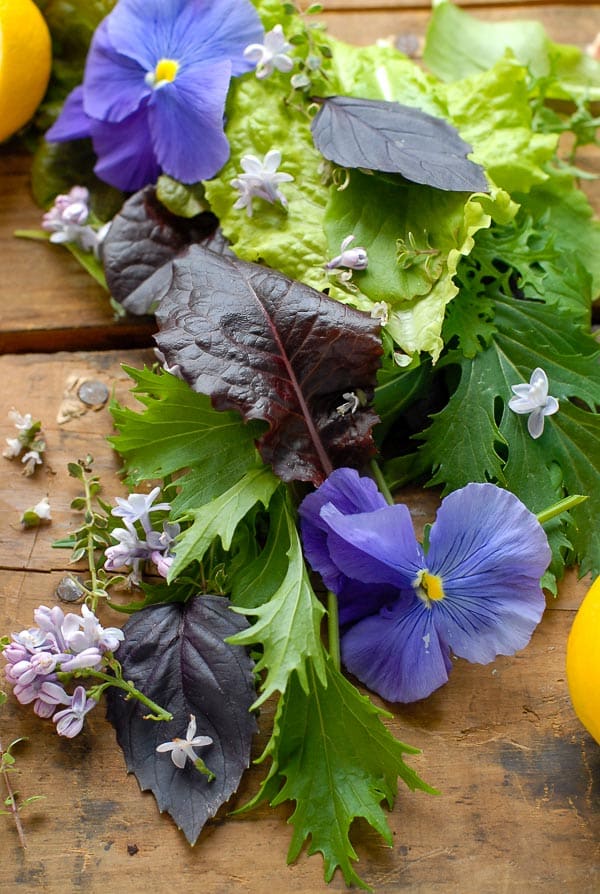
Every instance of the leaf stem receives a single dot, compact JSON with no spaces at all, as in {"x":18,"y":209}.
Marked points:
{"x":381,"y":482}
{"x":333,"y":629}
{"x":158,"y":713}
{"x":562,"y":506}
{"x":11,"y":802}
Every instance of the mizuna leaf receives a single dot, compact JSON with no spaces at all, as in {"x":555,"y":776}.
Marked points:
{"x":395,"y":139}
{"x":273,"y":349}
{"x":333,"y":756}
{"x":177,"y":655}
{"x":142,"y":237}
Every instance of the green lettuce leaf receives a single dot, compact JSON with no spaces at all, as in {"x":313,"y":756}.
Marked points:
{"x":458,"y":45}
{"x":332,"y":756}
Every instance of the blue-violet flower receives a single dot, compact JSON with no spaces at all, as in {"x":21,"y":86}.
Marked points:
{"x":154,"y":88}
{"x":475,"y":593}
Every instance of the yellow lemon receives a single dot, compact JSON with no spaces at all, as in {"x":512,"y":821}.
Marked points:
{"x":25,"y":58}
{"x":583,"y":661}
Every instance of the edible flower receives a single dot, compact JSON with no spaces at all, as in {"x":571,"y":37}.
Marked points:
{"x":260,"y":180}
{"x":154,"y":90}
{"x":403,"y":610}
{"x":183,"y":749}
{"x":533,"y":398}
{"x":355,"y":258}
{"x":270,"y":55}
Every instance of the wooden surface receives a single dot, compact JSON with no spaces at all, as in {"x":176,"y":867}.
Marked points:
{"x":520,"y":778}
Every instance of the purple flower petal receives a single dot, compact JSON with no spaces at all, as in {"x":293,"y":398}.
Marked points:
{"x":186,"y":123}
{"x":124,"y":150}
{"x":351,"y":494}
{"x":490,"y":552}
{"x":114,"y":84}
{"x":398,"y":653}
{"x":72,"y":123}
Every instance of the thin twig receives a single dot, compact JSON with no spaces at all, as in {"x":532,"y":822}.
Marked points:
{"x":12,"y":805}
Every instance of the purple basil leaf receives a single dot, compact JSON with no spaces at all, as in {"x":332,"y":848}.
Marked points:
{"x":176,"y":655}
{"x":395,"y":139}
{"x":274,"y":349}
{"x":143,"y":236}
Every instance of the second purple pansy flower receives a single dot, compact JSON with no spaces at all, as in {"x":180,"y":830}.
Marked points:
{"x":154,"y":89}
{"x":475,"y":593}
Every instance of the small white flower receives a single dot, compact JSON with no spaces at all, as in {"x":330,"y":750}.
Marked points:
{"x":22,"y":423}
{"x":182,"y":749}
{"x":42,"y":510}
{"x":380,"y":311}
{"x":260,"y":180}
{"x":137,"y":507}
{"x":354,"y":258}
{"x":271,"y":54}
{"x":350,"y":405}
{"x":13,"y":449}
{"x":533,"y":399}
{"x":30,"y":460}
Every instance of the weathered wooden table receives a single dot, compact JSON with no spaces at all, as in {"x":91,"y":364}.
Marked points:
{"x":520,"y":778}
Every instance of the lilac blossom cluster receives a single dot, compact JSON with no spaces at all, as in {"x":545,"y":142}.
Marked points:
{"x":59,"y":643}
{"x":67,"y":221}
{"x":131,"y":549}
{"x":29,"y":443}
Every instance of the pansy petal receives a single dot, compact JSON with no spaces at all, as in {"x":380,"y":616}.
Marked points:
{"x":146,"y":30}
{"x":72,"y":123}
{"x":186,"y":123}
{"x":398,"y":653}
{"x":375,"y":547}
{"x":124,"y":150}
{"x":350,"y":493}
{"x":357,"y":600}
{"x":114,"y":84}
{"x":490,"y":553}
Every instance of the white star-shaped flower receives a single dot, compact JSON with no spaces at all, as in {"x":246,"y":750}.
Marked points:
{"x":354,"y":258}
{"x":533,"y":398}
{"x":260,"y":180}
{"x":271,"y":54}
{"x":182,"y":749}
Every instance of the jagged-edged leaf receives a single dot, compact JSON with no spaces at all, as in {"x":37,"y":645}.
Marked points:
{"x":333,"y":756}
{"x":288,"y":624}
{"x":274,"y":349}
{"x":177,"y":655}
{"x":142,"y":237}
{"x":395,"y":139}
{"x":178,"y":429}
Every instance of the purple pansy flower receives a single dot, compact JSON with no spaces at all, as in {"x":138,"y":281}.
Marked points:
{"x":154,"y":88}
{"x":475,"y":593}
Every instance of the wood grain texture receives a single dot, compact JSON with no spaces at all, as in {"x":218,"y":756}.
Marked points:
{"x":520,"y":778}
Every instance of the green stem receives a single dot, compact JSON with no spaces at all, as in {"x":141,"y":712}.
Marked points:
{"x":90,"y":549}
{"x":381,"y":482}
{"x":561,"y":506}
{"x":333,"y":629}
{"x":158,"y":713}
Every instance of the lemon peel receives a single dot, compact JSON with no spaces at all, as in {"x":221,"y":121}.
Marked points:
{"x":583,"y":661}
{"x":25,"y":61}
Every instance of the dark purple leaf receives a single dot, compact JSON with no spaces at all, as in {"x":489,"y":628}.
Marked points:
{"x":395,"y":139}
{"x":144,"y":235}
{"x":273,"y":349}
{"x":176,"y":655}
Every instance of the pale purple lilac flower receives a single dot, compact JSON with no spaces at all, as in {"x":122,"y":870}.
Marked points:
{"x":260,"y":180}
{"x":154,"y":89}
{"x":533,"y":399}
{"x":69,"y":721}
{"x":84,"y":632}
{"x":66,"y":220}
{"x":271,"y":54}
{"x":137,"y":508}
{"x":353,"y":258}
{"x":476,"y":592}
{"x":182,"y":750}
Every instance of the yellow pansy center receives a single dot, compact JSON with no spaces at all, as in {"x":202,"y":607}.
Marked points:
{"x":429,"y":587}
{"x":164,"y":73}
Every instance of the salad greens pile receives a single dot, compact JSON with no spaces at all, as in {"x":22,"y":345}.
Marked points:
{"x":465,"y":294}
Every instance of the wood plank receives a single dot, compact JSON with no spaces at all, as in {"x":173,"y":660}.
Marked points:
{"x":520,"y":778}
{"x":505,"y":7}
{"x":61,"y":297}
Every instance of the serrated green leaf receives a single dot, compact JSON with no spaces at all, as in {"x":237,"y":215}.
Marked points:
{"x":288,"y":625}
{"x":478,"y":438}
{"x":333,"y":756}
{"x":179,"y":428}
{"x":221,"y":516}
